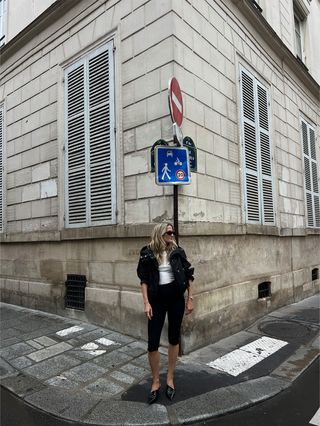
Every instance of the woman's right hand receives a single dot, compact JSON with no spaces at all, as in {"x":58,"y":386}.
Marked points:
{"x":148,"y":310}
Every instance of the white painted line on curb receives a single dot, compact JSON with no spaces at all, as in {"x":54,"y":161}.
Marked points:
{"x":69,"y":330}
{"x":316,"y":419}
{"x":240,"y":360}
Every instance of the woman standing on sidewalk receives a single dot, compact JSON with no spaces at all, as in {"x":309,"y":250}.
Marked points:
{"x":165,"y":274}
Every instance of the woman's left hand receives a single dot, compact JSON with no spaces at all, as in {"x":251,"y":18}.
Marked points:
{"x":189,"y":306}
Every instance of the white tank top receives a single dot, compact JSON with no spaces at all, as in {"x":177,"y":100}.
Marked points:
{"x":165,"y":270}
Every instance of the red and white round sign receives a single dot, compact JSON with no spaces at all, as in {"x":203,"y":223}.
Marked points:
{"x":175,"y":101}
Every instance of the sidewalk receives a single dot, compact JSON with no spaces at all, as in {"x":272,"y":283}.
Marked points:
{"x":92,"y":375}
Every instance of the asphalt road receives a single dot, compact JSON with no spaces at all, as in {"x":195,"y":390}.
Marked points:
{"x":294,"y":406}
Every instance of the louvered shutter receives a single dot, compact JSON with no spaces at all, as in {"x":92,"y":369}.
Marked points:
{"x":100,"y":138}
{"x":250,"y":148}
{"x":259,"y":204}
{"x":90,"y":193}
{"x":265,"y":155}
{"x":76,"y":194}
{"x":311,"y":175}
{"x":1,"y":167}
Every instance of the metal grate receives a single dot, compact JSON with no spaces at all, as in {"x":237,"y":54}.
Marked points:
{"x":75,"y":291}
{"x":264,"y":289}
{"x":315,"y":274}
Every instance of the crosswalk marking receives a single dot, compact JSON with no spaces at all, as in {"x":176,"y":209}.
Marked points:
{"x":240,"y":360}
{"x":69,"y":330}
{"x":316,"y":419}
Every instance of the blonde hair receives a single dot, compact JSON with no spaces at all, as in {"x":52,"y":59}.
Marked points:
{"x":158,"y":244}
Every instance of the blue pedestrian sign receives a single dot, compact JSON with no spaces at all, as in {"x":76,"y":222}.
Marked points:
{"x":172,"y":166}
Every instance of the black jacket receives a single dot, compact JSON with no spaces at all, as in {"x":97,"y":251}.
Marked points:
{"x":148,"y":270}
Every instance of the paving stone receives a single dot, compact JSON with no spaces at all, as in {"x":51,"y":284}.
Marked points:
{"x":37,"y":333}
{"x":85,"y":372}
{"x":134,"y":351}
{"x":16,"y":350}
{"x":62,"y":382}
{"x":45,"y":341}
{"x":84,"y":355}
{"x":120,"y":338}
{"x":112,"y":359}
{"x":22,"y":384}
{"x":122,"y":377}
{"x":104,"y":386}
{"x":135,"y":370}
{"x":10,"y":332}
{"x":141,"y":360}
{"x":6,"y":369}
{"x":199,"y":408}
{"x":34,"y":344}
{"x":21,"y":362}
{"x":259,"y":389}
{"x":51,"y":367}
{"x":92,"y":335}
{"x":118,"y":413}
{"x":55,"y":400}
{"x":49,"y":352}
{"x":9,"y":342}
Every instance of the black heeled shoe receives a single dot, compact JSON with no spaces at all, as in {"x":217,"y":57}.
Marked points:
{"x":153,"y":396}
{"x":170,"y":392}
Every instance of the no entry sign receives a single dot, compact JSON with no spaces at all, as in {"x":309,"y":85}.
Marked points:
{"x":175,"y":101}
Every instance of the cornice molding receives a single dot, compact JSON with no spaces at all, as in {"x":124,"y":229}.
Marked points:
{"x":51,"y":14}
{"x":249,"y":11}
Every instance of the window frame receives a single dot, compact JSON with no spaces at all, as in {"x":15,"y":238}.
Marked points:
{"x":84,"y":59}
{"x":259,"y":174}
{"x":311,"y":160}
{"x":3,"y":22}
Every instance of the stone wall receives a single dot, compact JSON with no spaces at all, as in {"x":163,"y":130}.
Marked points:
{"x":228,"y":271}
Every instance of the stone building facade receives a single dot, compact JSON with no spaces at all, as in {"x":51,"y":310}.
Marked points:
{"x":83,"y":98}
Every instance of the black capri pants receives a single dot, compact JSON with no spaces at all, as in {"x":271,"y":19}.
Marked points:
{"x":170,"y":300}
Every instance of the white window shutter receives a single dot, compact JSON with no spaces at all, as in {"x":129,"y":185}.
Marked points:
{"x":310,"y":175}
{"x":314,"y":174}
{"x":265,"y":155}
{"x":90,"y":192}
{"x":1,"y":167}
{"x":76,"y":193}
{"x":255,"y":123}
{"x":249,"y":137}
{"x":100,"y":137}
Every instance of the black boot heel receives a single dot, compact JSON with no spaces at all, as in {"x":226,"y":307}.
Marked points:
{"x":170,"y":392}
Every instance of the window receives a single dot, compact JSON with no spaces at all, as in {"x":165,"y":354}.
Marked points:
{"x":1,"y":168}
{"x":89,"y":134}
{"x":310,"y":175}
{"x":2,"y":21}
{"x":298,"y":37}
{"x":256,"y":148}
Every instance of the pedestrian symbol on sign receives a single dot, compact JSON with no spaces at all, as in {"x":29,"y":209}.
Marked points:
{"x":165,"y":171}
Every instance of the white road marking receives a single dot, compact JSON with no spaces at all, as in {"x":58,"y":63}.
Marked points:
{"x":177,"y":102}
{"x":316,"y":419}
{"x":90,"y":346}
{"x":240,"y":360}
{"x":106,"y":342}
{"x":69,"y":330}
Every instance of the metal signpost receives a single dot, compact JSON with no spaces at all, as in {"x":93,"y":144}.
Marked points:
{"x":172,"y":163}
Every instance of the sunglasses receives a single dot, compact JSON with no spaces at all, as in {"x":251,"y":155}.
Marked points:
{"x":170,"y":233}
